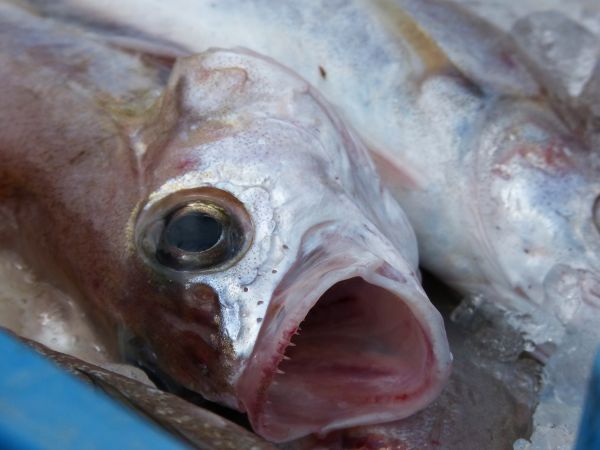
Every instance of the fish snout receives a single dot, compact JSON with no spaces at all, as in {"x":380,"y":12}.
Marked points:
{"x":349,"y":338}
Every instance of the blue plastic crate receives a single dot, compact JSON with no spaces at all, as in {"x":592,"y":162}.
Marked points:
{"x":43,"y":407}
{"x":589,"y":431}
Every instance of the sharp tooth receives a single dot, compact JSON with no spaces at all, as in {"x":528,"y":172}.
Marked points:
{"x":279,"y":371}
{"x":291,"y":344}
{"x":287,"y":358}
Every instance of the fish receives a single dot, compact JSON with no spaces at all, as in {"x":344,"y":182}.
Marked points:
{"x":503,"y":191}
{"x":220,"y":222}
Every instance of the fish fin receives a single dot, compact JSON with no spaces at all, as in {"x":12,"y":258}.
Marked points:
{"x":564,"y":55}
{"x":125,"y":38}
{"x":479,"y":50}
{"x":403,"y":26}
{"x":570,"y":43}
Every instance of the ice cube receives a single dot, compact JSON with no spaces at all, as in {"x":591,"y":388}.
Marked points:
{"x":565,"y":53}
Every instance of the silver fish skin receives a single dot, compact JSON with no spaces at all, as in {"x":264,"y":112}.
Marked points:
{"x":222,"y":215}
{"x":502,"y":193}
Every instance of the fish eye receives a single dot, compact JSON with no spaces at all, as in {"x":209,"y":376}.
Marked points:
{"x":195,"y":232}
{"x":190,"y":230}
{"x":197,"y":236}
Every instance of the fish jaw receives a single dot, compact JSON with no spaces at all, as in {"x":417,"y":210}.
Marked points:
{"x":349,"y":338}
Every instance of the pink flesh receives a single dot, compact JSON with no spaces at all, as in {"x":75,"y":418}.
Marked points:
{"x":360,"y":348}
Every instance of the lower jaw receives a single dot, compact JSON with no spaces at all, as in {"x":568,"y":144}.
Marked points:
{"x":360,"y":356}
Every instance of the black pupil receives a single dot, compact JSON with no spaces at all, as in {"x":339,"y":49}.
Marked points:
{"x":193,"y":232}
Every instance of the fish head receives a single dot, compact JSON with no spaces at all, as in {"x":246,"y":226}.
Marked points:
{"x":542,"y":213}
{"x":279,"y":277}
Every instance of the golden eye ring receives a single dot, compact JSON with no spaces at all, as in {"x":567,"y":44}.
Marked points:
{"x":197,"y":230}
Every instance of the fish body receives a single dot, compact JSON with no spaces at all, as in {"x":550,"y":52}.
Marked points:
{"x":219,"y":214}
{"x":502,"y":191}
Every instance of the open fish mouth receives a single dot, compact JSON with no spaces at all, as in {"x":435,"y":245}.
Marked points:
{"x":352,"y":347}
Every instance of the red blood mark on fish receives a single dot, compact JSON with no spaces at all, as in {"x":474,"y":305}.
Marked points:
{"x":372,"y":441}
{"x":553,"y":155}
{"x":185,"y":165}
{"x":356,"y":439}
{"x":548,"y":157}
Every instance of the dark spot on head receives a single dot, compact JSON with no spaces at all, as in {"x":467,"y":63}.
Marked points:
{"x":260,"y":302}
{"x":274,"y":271}
{"x":507,"y":59}
{"x":520,"y":292}
{"x":184,"y":165}
{"x":245,"y":289}
{"x":285,"y":247}
{"x":259,"y":320}
{"x":77,"y":157}
{"x":323,"y":72}
{"x":389,"y":272}
{"x":526,"y":250}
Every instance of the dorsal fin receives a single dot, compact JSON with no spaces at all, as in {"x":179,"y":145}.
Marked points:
{"x":479,"y":50}
{"x":402,"y":25}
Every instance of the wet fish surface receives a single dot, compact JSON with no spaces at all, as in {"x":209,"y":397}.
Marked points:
{"x":217,"y":214}
{"x":500,"y":185}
